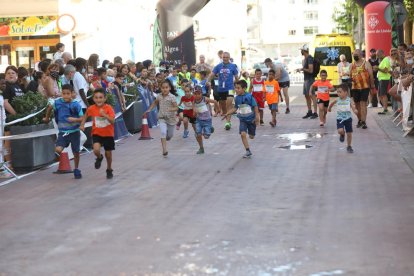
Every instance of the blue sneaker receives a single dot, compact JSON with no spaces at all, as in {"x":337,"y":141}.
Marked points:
{"x":186,"y":132}
{"x":77,"y":173}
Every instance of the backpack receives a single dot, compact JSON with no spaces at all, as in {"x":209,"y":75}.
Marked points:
{"x":316,"y":67}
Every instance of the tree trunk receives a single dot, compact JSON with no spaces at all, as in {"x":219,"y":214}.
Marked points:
{"x":408,"y":31}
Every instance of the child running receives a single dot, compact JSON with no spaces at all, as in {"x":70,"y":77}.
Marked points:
{"x":187,"y":103}
{"x":322,"y":87}
{"x":248,"y":114}
{"x":68,"y":116}
{"x":272,"y":95}
{"x":202,"y":111}
{"x":103,"y":119}
{"x":344,"y":115}
{"x":166,"y":113}
{"x":178,"y":95}
{"x":257,"y":90}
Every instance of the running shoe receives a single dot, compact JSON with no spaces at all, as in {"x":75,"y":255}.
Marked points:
{"x":287,"y":111}
{"x":309,"y":114}
{"x":341,"y":138}
{"x":77,"y":173}
{"x":364,"y":125}
{"x":109,"y":174}
{"x":383,"y":112}
{"x":359,"y":124}
{"x":314,"y":115}
{"x":227,"y":126}
{"x":200,"y":151}
{"x":98,"y":162}
{"x":186,"y":132}
{"x":370,"y":105}
{"x":248,"y":154}
{"x":261,"y":123}
{"x":165,"y":154}
{"x":349,"y":149}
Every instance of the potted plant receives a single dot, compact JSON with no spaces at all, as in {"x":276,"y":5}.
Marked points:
{"x":133,"y":116}
{"x":30,"y":153}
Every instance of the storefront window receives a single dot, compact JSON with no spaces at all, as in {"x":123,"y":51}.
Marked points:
{"x":5,"y":58}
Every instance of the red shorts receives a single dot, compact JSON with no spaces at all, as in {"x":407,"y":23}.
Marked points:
{"x":259,"y":99}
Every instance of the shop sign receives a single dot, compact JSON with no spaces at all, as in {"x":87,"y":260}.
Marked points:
{"x":28,"y":26}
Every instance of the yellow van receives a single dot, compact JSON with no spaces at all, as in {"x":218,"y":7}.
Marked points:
{"x":327,"y":48}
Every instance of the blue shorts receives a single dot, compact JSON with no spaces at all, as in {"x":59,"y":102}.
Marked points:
{"x":273,"y":106}
{"x":248,"y":127}
{"x":73,"y":139}
{"x":203,"y":127}
{"x":347,"y":124}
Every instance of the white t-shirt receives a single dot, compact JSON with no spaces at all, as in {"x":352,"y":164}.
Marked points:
{"x":79,"y":83}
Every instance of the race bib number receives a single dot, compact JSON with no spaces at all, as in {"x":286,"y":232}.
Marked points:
{"x":257,"y":88}
{"x":216,"y":82}
{"x":101,"y":122}
{"x":323,"y":89}
{"x":270,"y":89}
{"x":344,"y":108}
{"x":202,"y":108}
{"x":245,"y":109}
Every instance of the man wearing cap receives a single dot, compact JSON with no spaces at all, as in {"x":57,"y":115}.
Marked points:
{"x":282,"y":77}
{"x":308,"y":80}
{"x":373,"y":60}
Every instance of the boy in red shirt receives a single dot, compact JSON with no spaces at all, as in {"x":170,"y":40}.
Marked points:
{"x":187,"y":102}
{"x":322,"y":87}
{"x":103,"y":118}
{"x":257,"y":90}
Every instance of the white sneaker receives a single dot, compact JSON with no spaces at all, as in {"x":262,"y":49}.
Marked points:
{"x":370,"y":105}
{"x":379,"y":105}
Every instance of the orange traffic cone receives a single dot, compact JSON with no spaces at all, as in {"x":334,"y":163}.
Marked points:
{"x":145,"y":134}
{"x":64,"y":164}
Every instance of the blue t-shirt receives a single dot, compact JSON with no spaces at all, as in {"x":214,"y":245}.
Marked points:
{"x":226,"y":73}
{"x":174,"y":81}
{"x":245,"y":107}
{"x":63,"y":110}
{"x":203,"y":85}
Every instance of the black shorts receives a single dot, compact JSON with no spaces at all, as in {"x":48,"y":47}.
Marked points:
{"x":284,"y":84}
{"x":192,"y":120}
{"x":325,"y":103}
{"x":347,"y":125}
{"x":222,"y":96}
{"x":107,"y":142}
{"x":360,"y":95}
{"x":383,"y":87}
{"x":180,"y":110}
{"x":73,"y":139}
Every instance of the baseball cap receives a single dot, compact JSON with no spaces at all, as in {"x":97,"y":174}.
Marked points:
{"x":305,"y":47}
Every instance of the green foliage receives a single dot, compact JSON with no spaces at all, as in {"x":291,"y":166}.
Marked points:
{"x":132,"y":95}
{"x":110,"y":99}
{"x":346,"y":16}
{"x":409,"y":5}
{"x":28,"y":104}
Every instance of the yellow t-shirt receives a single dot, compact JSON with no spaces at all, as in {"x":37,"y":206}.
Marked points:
{"x":272,"y":91}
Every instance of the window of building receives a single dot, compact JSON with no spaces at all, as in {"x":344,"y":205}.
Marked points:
{"x":311,"y":15}
{"x":292,"y":32}
{"x":310,"y":30}
{"x":311,"y":2}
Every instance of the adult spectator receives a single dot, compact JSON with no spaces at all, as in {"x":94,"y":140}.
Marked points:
{"x":220,"y":55}
{"x":23,"y":78}
{"x":68,"y":75}
{"x":60,"y":47}
{"x":308,"y":80}
{"x":12,"y":90}
{"x":148,"y":64}
{"x":405,"y":73}
{"x":66,"y":56}
{"x":282,"y":76}
{"x":384,"y":76}
{"x":362,"y":82}
{"x":344,"y":68}
{"x":80,"y":84}
{"x":227,"y":73}
{"x":105,"y":64}
{"x":93,"y":63}
{"x":117,"y":61}
{"x":202,"y":65}
{"x":373,"y":60}
{"x":34,"y":84}
{"x":51,"y":82}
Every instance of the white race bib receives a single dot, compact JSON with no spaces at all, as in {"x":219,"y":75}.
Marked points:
{"x":257,"y":88}
{"x":245,"y":109}
{"x":202,"y":108}
{"x":270,"y":89}
{"x":188,"y":105}
{"x":216,"y":82}
{"x":101,"y":122}
{"x":323,"y":89}
{"x":344,"y":108}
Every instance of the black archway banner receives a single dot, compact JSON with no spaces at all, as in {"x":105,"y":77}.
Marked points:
{"x":173,"y":30}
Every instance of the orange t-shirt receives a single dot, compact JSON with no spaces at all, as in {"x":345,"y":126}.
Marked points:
{"x":272,"y":91}
{"x":100,"y":125}
{"x":322,"y":89}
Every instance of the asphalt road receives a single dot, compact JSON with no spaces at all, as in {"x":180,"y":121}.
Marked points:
{"x":318,"y":211}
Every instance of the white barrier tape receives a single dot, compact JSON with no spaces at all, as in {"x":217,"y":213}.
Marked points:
{"x":24,"y":118}
{"x":47,"y":132}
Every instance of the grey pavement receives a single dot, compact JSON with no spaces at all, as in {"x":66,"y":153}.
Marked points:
{"x":314,"y":212}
